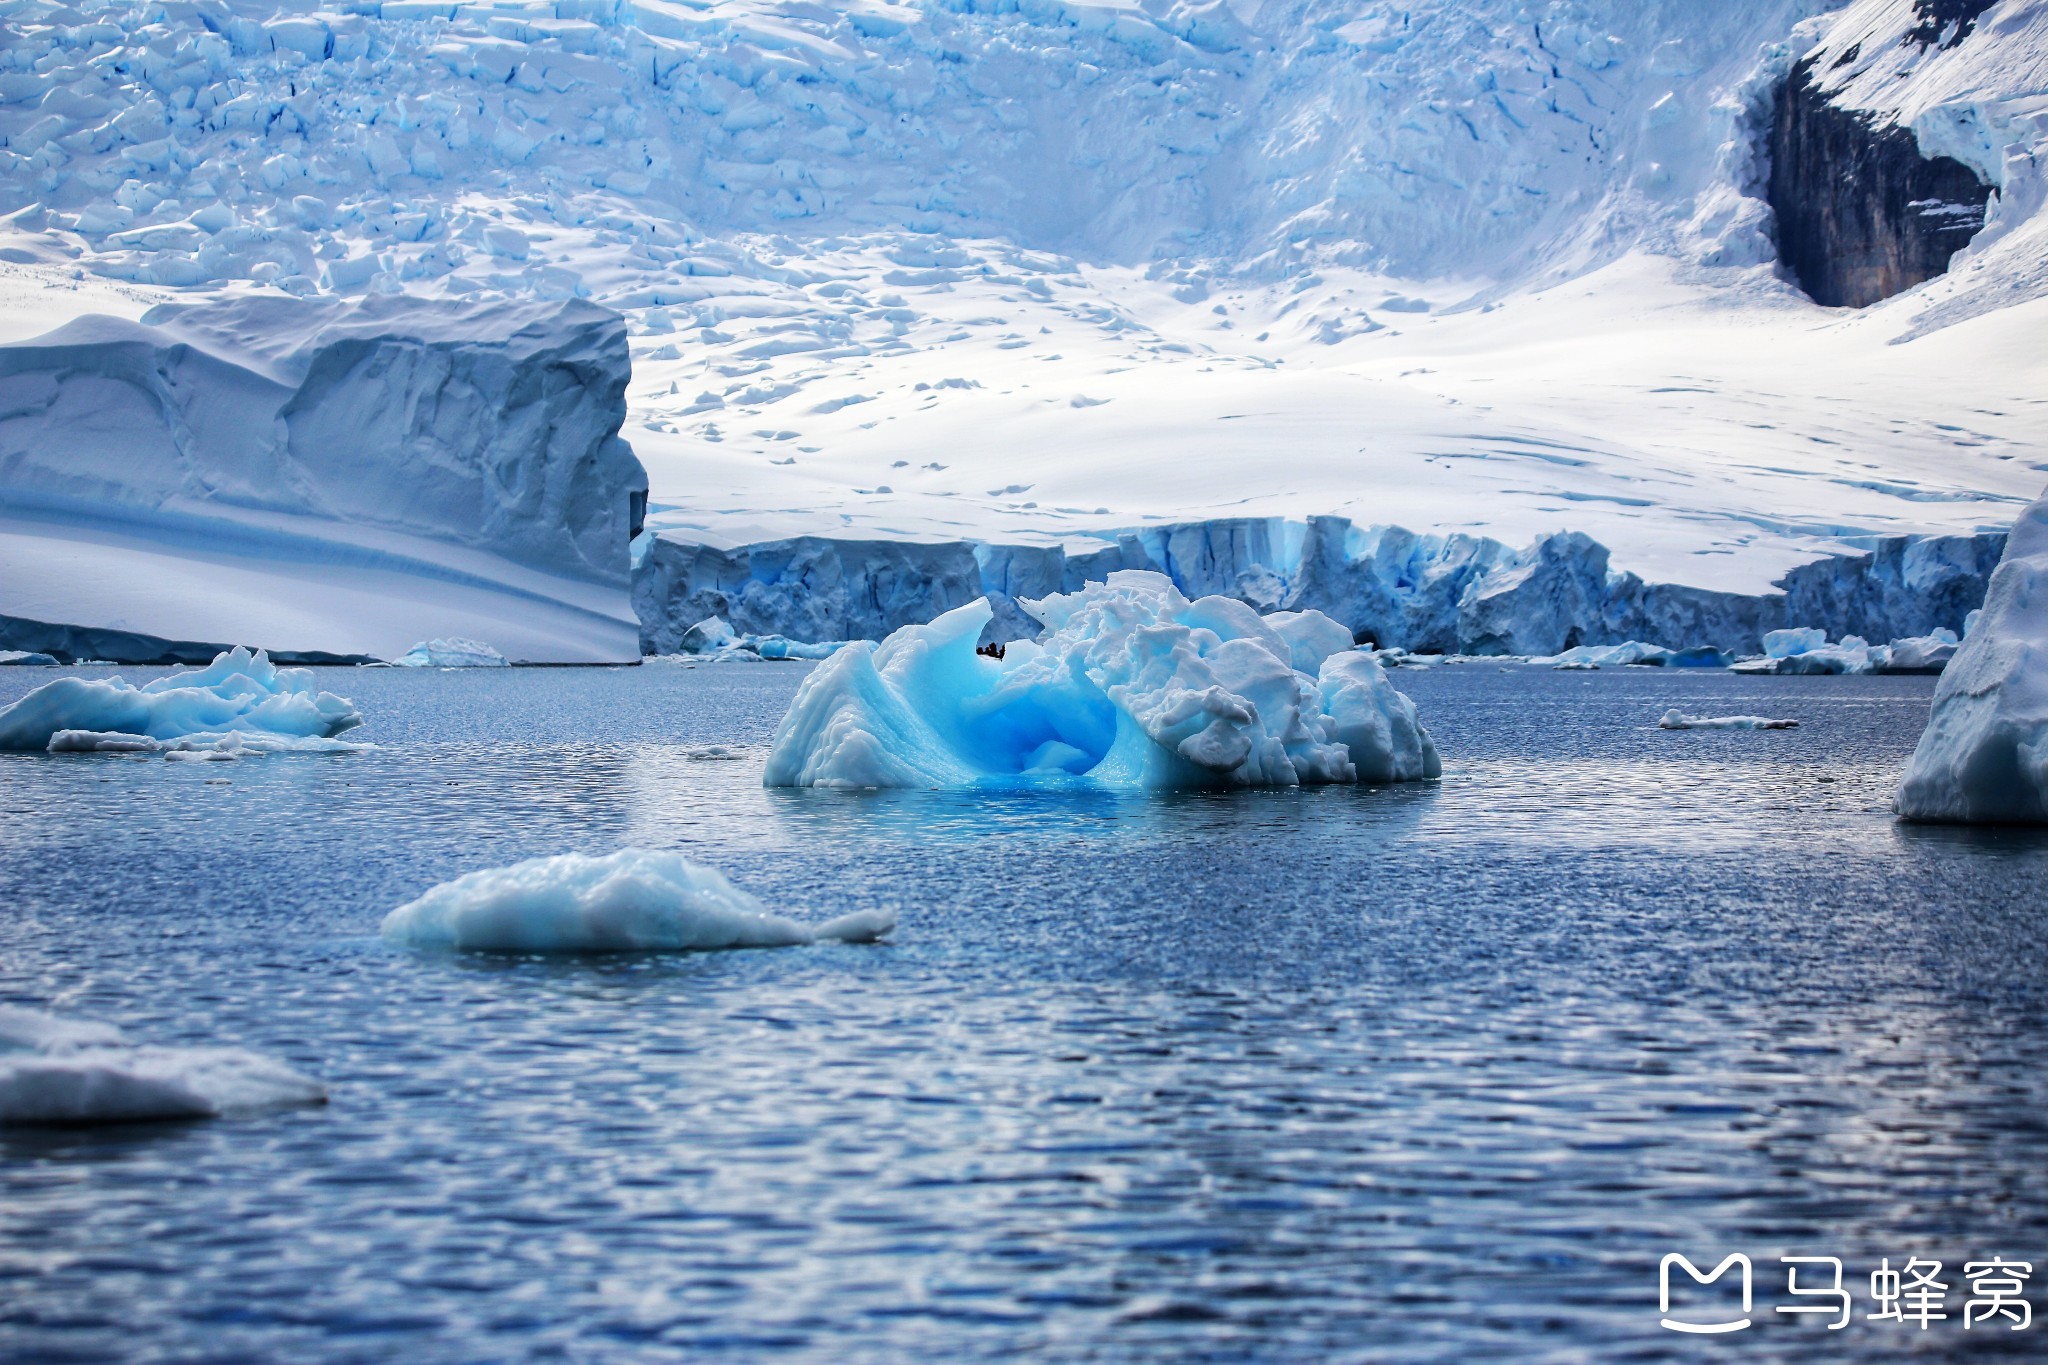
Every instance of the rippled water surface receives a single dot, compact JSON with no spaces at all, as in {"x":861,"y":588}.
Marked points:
{"x":1416,"y":1073}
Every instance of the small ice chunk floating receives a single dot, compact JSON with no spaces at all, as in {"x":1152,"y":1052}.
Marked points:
{"x":1984,"y":755}
{"x":63,"y":1071}
{"x":269,"y":709}
{"x":626,"y":902}
{"x":1675,"y":719}
{"x":1130,"y":685}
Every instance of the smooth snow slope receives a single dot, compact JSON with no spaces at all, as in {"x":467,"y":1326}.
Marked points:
{"x":1025,"y":270}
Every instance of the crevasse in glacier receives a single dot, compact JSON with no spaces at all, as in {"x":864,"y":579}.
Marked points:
{"x":1984,"y":754}
{"x":1130,"y":684}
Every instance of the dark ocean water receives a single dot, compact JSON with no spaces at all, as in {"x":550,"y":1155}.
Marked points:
{"x":1403,"y":1074}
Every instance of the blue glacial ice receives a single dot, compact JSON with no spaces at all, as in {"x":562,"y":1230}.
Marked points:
{"x":1129,"y":684}
{"x":1456,"y":594}
{"x":62,"y":1071}
{"x":1984,"y":755}
{"x":453,"y":652}
{"x":263,"y":707}
{"x":629,"y":901}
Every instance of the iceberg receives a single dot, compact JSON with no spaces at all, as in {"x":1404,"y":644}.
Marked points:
{"x":26,"y":658}
{"x":238,"y":693}
{"x":1130,"y":684}
{"x":60,"y":1071}
{"x":454,"y":652}
{"x":1675,"y":719}
{"x":632,"y":901}
{"x":1984,"y":755}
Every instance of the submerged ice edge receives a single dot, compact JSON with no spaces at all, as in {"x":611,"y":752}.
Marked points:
{"x":1129,"y":684}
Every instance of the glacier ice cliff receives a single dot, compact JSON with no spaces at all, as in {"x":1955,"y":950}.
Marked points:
{"x":1390,"y":587}
{"x":1984,"y":755}
{"x":385,"y":456}
{"x":1129,"y":684}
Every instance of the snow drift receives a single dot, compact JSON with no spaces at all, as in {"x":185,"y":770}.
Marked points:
{"x":629,"y":901}
{"x":265,"y":707}
{"x":1984,"y":754}
{"x":420,"y":452}
{"x":1130,"y":685}
{"x":59,"y":1071}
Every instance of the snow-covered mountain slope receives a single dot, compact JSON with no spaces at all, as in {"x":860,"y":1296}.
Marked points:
{"x":1023,"y":269}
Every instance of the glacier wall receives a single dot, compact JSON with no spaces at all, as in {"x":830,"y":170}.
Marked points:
{"x":1389,"y":586}
{"x":493,"y":426}
{"x":319,"y":477}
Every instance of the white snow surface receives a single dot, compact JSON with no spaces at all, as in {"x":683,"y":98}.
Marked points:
{"x":455,"y":652}
{"x":64,"y":1071}
{"x":1130,"y":685}
{"x":629,"y":901}
{"x":238,"y":702}
{"x":1675,"y":719}
{"x":1019,"y":272}
{"x":1984,"y":755}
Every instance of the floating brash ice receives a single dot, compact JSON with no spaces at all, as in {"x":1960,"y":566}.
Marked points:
{"x":1130,"y":685}
{"x":272,"y":709}
{"x":62,"y":1071}
{"x":629,"y":901}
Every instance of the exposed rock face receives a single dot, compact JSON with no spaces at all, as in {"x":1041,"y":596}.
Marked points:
{"x":1387,"y":585}
{"x":1861,"y":215}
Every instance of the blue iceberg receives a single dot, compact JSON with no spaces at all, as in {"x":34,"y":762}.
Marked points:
{"x":1130,"y":684}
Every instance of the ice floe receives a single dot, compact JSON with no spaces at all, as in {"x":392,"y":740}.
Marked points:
{"x":1130,"y":684}
{"x":62,"y":1071}
{"x":454,"y":652}
{"x":629,"y":901}
{"x":239,"y":693}
{"x":1675,"y":719}
{"x":1984,"y":754}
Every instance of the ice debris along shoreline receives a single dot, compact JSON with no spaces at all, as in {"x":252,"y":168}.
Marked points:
{"x":632,"y":901}
{"x":240,"y":703}
{"x":1675,"y":719}
{"x":57,"y":1071}
{"x":1984,"y":755}
{"x":1130,"y":684}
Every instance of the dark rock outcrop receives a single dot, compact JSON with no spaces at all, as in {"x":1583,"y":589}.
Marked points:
{"x":1861,"y":215}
